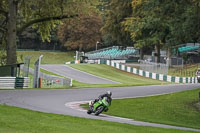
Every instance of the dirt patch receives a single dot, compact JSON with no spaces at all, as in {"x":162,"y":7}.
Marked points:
{"x":197,"y":106}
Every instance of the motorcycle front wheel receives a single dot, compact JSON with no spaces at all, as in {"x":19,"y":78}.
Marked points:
{"x":99,"y":110}
{"x":89,"y":111}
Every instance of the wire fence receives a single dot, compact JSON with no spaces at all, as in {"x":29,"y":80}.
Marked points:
{"x":159,"y":68}
{"x":50,"y":81}
{"x":177,"y":70}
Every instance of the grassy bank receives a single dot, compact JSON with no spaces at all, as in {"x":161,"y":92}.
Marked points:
{"x":16,"y":120}
{"x":125,"y":78}
{"x":179,"y":109}
{"x":48,"y":57}
{"x":185,"y":71}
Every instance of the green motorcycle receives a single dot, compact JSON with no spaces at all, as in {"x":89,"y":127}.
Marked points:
{"x":98,"y":107}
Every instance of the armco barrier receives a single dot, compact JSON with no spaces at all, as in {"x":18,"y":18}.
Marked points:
{"x":151,"y":75}
{"x":52,"y":78}
{"x":13,"y":82}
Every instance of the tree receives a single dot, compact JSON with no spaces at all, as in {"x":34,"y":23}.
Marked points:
{"x":191,"y":17}
{"x":145,"y":25}
{"x":44,"y":15}
{"x":161,"y":23}
{"x":117,"y":11}
{"x":82,"y":33}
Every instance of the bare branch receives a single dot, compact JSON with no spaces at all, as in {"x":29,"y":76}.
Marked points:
{"x":2,"y":29}
{"x":43,"y":20}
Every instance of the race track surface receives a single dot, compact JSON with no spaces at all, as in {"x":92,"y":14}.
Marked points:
{"x":64,"y":101}
{"x":80,"y":76}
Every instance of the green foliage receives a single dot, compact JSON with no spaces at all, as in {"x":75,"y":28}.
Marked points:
{"x":43,"y":15}
{"x":167,"y":23}
{"x":191,"y":17}
{"x":108,"y":41}
{"x":117,"y":11}
{"x":145,"y":24}
{"x":33,"y":10}
{"x":2,"y":50}
{"x":44,"y":29}
{"x":2,"y":57}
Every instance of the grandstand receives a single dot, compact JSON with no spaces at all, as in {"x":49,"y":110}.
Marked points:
{"x":115,"y":52}
{"x":189,"y":47}
{"x":191,"y":51}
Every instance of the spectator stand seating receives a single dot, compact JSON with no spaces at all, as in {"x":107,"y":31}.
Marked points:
{"x":114,"y":52}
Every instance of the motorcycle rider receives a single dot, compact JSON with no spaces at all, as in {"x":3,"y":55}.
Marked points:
{"x":108,"y":94}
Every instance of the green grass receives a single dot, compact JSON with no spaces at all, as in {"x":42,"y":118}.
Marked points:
{"x":51,"y":73}
{"x":48,"y":57}
{"x":186,"y":71}
{"x":126,"y":79}
{"x":179,"y":109}
{"x":77,"y":84}
{"x":16,"y":120}
{"x":108,"y":72}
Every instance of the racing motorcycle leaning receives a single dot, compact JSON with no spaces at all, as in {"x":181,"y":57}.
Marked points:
{"x":99,"y":106}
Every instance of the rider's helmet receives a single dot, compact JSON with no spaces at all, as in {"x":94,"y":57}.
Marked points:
{"x":109,"y":93}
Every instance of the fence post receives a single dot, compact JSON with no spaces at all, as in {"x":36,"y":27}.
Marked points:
{"x":199,"y":97}
{"x":40,"y":82}
{"x":37,"y":73}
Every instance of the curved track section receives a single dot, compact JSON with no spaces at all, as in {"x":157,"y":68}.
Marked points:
{"x":78,"y":75}
{"x":54,"y":101}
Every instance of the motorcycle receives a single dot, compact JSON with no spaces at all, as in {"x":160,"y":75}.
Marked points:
{"x":98,"y":107}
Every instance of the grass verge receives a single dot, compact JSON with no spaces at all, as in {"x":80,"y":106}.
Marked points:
{"x":48,"y":57}
{"x":180,"y":109}
{"x":185,"y":71}
{"x":125,"y":78}
{"x":16,"y":120}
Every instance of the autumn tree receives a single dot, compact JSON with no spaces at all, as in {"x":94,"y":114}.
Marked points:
{"x":161,"y":24}
{"x":82,"y":33}
{"x":43,"y":15}
{"x":191,"y":20}
{"x":117,"y":11}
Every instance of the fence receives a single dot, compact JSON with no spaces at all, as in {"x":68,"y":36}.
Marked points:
{"x":13,"y":82}
{"x":49,"y":81}
{"x":54,"y":81}
{"x":177,"y":61}
{"x":154,"y":67}
{"x":152,"y":75}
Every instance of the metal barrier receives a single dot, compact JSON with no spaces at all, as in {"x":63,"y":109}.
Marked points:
{"x":154,"y":67}
{"x":54,"y":81}
{"x":13,"y":82}
{"x":51,"y":80}
{"x":152,"y":75}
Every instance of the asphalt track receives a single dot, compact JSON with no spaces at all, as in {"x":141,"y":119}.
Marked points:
{"x":67,"y":101}
{"x":78,"y":75}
